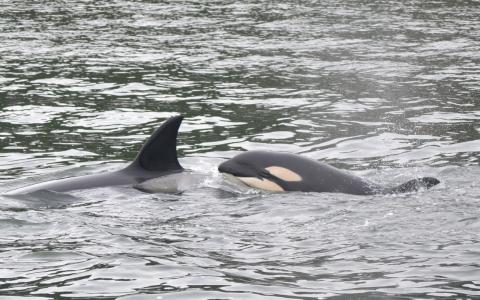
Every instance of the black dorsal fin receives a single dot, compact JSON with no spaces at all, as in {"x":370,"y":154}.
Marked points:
{"x":159,"y":153}
{"x":414,"y":185}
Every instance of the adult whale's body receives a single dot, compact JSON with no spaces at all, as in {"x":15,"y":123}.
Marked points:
{"x":157,"y":157}
{"x":275,"y":171}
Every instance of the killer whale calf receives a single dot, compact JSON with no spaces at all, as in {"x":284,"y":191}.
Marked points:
{"x":157,"y":158}
{"x":278,"y":171}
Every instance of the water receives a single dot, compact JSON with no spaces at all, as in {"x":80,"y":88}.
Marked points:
{"x":386,"y":90}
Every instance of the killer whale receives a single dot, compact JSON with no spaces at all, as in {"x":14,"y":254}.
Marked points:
{"x":278,"y":171}
{"x":157,"y":157}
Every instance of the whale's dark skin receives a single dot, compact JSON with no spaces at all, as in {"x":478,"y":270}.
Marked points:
{"x":276,"y":171}
{"x":157,"y":157}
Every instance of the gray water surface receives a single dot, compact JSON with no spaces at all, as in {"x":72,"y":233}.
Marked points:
{"x":389,"y":91}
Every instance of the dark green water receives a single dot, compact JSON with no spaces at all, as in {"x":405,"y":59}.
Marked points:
{"x":387,"y":90}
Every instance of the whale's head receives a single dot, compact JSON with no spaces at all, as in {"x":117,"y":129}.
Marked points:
{"x":262,"y":170}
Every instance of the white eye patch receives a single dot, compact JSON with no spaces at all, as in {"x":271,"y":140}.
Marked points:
{"x":284,"y":173}
{"x":263,"y":184}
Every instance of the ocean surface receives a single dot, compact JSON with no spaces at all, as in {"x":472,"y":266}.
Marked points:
{"x":388,"y":90}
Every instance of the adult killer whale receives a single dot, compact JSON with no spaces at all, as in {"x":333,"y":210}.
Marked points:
{"x":277,"y":171}
{"x":157,"y":157}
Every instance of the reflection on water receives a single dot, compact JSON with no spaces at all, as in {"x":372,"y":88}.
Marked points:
{"x":387,"y":90}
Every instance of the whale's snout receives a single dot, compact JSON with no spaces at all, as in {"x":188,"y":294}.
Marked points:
{"x":223,"y":167}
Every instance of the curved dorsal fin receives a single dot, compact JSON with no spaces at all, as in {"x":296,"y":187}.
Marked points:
{"x":159,"y":153}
